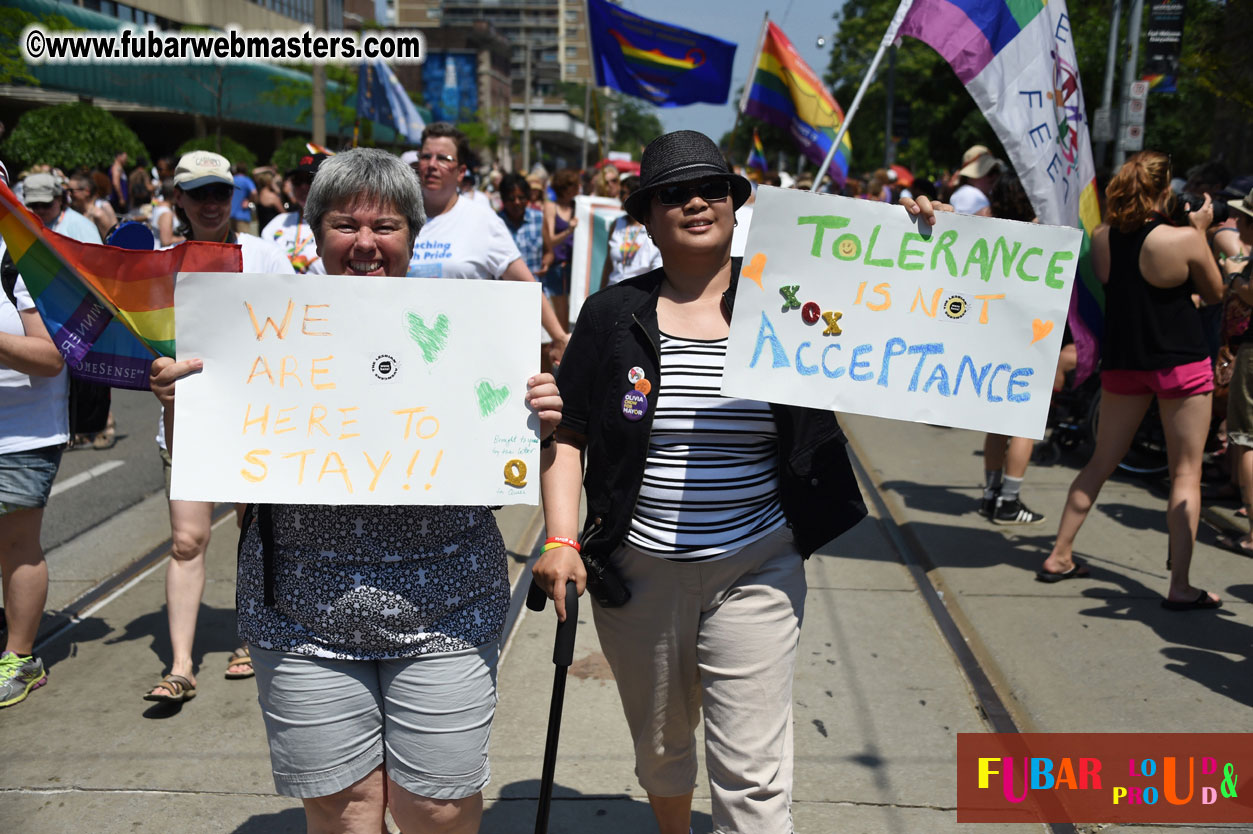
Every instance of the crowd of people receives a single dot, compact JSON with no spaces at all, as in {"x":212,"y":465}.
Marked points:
{"x":689,"y":504}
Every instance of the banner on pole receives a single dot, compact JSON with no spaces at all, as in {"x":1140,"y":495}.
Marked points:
{"x":1165,"y":45}
{"x":1018,"y":62}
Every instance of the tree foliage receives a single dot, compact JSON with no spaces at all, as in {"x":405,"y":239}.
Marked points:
{"x":288,"y":153}
{"x":226,"y":146}
{"x":70,"y":135}
{"x":13,"y":67}
{"x":341,"y":103}
{"x":636,"y":121}
{"x":944,"y":120}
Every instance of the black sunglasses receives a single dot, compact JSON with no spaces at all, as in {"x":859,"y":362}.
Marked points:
{"x":219,"y":192}
{"x":710,"y":191}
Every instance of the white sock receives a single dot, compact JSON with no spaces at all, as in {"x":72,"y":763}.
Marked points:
{"x":1010,"y":488}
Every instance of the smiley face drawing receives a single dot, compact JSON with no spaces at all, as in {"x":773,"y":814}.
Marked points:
{"x":848,"y":247}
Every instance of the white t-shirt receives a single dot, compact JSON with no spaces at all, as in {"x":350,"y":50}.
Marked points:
{"x":34,"y":410}
{"x":259,"y":256}
{"x":968,"y":200}
{"x":467,"y":241}
{"x":631,"y":251}
{"x":291,"y":234}
{"x":154,"y":221}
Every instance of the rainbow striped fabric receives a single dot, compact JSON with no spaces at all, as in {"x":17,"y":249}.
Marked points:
{"x":109,"y":310}
{"x":784,"y":91}
{"x":757,"y":155}
{"x":1017,"y":60}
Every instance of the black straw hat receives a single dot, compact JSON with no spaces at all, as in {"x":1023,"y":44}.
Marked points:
{"x":682,"y":156}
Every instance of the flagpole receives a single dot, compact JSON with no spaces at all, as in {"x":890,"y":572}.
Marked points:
{"x":761,"y":39}
{"x":888,"y":38}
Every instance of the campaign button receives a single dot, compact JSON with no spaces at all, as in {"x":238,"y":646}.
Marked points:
{"x":635,"y":374}
{"x":634,"y":406}
{"x":644,"y":386}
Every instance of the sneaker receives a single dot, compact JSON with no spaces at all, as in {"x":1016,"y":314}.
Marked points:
{"x":18,"y":676}
{"x":1014,"y":511}
{"x":987,"y":506}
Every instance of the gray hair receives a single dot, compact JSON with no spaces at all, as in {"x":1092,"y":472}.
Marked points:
{"x":365,"y":175}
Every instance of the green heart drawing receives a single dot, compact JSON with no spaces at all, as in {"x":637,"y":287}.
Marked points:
{"x":490,"y":397}
{"x":432,"y":340}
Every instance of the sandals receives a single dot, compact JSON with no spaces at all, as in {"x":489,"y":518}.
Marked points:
{"x":1078,"y":570}
{"x":177,"y":690}
{"x":240,"y":657}
{"x":1202,"y":602}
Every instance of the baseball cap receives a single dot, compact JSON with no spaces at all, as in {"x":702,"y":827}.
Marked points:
{"x":199,"y":168}
{"x":40,"y":188}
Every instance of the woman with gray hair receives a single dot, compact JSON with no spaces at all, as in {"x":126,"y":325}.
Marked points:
{"x":374,"y":630}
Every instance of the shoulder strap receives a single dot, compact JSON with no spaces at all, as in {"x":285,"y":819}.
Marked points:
{"x":8,"y":277}
{"x":263,"y":515}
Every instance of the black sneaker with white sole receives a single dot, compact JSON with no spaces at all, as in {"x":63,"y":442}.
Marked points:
{"x":987,"y":506}
{"x":1013,"y":511}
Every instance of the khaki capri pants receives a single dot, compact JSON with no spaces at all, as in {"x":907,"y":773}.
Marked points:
{"x":718,"y":636}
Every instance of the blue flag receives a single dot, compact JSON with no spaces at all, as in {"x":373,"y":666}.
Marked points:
{"x":382,"y":99}
{"x":664,"y":64}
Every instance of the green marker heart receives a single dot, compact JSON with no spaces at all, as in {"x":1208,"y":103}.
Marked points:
{"x":490,"y":397}
{"x":432,"y":340}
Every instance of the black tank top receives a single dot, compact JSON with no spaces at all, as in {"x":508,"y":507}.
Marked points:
{"x":1146,"y":328}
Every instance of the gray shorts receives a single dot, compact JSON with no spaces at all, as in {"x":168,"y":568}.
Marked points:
{"x":331,"y":722}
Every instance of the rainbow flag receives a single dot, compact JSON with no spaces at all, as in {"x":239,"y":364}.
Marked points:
{"x":784,"y":91}
{"x":108,"y":310}
{"x":657,"y":61}
{"x":1017,"y":60}
{"x":757,"y":155}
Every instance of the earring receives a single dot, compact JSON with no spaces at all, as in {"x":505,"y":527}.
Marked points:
{"x":735,"y":221}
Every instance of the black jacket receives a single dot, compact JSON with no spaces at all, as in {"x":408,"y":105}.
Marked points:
{"x":617,"y":331}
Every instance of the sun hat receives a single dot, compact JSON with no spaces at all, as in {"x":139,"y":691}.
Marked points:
{"x":681,"y":156}
{"x":1244,"y":204}
{"x":199,"y":168}
{"x":977,"y":161}
{"x":40,"y":188}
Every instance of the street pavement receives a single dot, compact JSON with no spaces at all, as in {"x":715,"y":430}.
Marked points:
{"x":880,"y":695}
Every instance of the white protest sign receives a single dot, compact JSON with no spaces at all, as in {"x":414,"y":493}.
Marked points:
{"x":853,"y":305}
{"x":591,"y":246}
{"x":339,"y":390}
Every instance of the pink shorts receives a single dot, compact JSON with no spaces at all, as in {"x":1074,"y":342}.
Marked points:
{"x":1167,"y":383}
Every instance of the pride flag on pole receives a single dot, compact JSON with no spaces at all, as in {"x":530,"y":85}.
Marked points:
{"x":784,"y":91}
{"x":109,"y":311}
{"x":656,"y":61}
{"x":382,"y":98}
{"x":1017,"y":60}
{"x":757,"y":155}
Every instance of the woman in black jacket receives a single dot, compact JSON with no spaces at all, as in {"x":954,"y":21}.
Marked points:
{"x":702,"y":504}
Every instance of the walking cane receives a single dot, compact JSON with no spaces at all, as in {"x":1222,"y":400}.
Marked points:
{"x":563,"y":656}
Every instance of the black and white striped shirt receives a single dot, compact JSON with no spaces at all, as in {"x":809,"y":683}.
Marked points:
{"x":710,"y":482}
